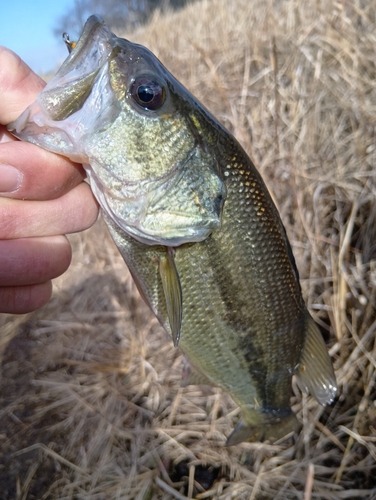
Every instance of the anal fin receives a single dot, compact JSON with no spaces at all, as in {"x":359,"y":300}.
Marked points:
{"x":315,"y":371}
{"x":272,"y":429}
{"x":172,"y":291}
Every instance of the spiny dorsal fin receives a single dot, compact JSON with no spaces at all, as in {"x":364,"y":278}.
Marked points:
{"x":172,"y":291}
{"x":315,"y":371}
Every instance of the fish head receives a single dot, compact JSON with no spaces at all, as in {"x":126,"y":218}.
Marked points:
{"x":148,"y":147}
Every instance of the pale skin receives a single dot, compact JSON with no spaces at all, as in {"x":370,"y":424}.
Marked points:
{"x":42,"y":198}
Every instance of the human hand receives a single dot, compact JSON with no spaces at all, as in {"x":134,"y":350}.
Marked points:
{"x":42,"y":198}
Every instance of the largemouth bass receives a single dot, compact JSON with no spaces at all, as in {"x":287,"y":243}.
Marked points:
{"x":194,"y":222}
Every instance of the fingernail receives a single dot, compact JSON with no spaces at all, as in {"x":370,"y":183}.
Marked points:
{"x":10,"y":178}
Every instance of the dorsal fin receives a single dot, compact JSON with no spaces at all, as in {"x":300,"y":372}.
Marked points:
{"x":315,"y":371}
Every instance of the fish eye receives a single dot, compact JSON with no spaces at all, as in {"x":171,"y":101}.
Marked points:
{"x":148,"y":93}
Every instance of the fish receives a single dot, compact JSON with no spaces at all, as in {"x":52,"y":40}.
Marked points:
{"x":194,"y":222}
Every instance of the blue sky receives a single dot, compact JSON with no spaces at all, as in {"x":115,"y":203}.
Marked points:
{"x":26,"y":27}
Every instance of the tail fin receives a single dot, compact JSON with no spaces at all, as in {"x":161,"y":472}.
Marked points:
{"x":315,"y":371}
{"x":273,"y":429}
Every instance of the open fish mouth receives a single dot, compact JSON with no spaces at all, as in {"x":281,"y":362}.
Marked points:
{"x":89,"y":55}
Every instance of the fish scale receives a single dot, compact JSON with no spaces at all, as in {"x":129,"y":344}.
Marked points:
{"x":245,"y":308}
{"x":194,"y":222}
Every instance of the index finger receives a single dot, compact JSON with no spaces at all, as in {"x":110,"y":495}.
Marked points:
{"x":19,"y":85}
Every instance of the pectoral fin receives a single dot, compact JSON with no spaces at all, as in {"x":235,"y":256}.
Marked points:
{"x":173,"y":294}
{"x":143,"y":262}
{"x":315,"y":371}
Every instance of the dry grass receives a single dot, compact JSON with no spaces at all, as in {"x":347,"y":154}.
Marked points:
{"x":91,"y":405}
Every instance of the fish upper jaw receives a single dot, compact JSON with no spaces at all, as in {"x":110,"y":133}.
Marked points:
{"x":90,"y":54}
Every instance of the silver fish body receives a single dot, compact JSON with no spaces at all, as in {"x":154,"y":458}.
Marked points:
{"x":194,"y":222}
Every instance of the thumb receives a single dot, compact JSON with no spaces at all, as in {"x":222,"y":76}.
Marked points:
{"x":19,"y":85}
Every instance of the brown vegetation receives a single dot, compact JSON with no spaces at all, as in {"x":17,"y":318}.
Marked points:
{"x":91,"y":406}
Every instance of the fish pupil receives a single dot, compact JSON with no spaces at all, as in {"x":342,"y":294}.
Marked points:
{"x":145,"y":93}
{"x":148,"y":93}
